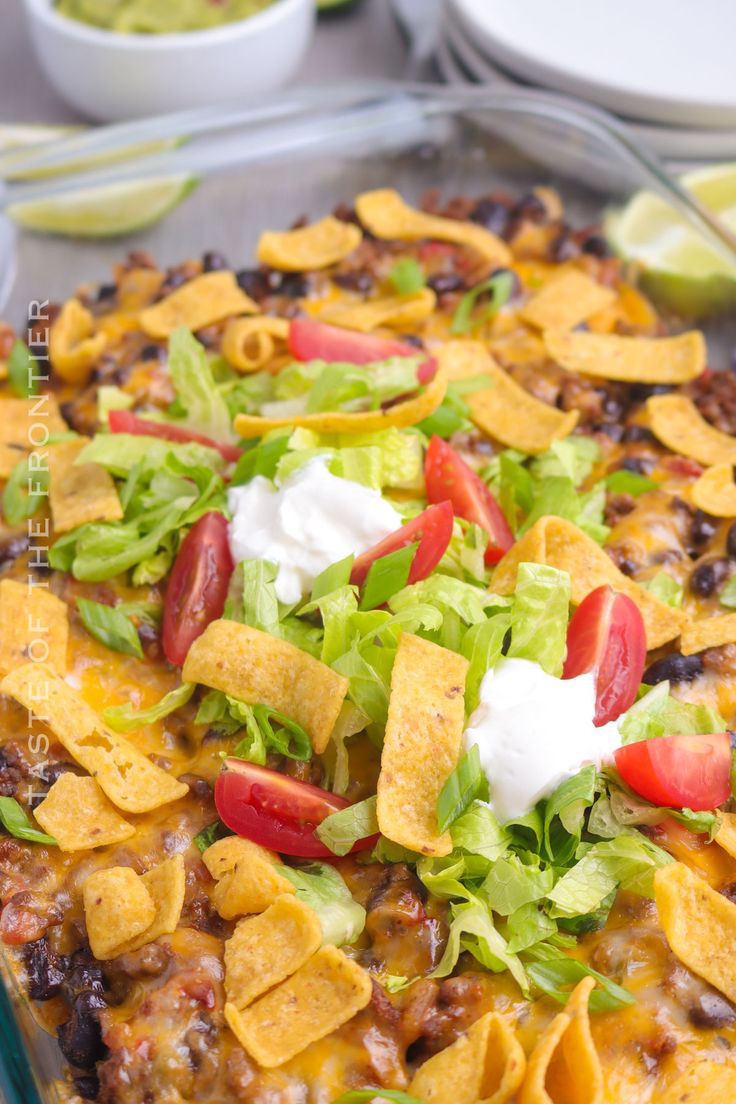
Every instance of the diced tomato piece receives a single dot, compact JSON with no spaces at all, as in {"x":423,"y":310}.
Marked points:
{"x":309,"y":340}
{"x":198,"y":585}
{"x":679,"y":772}
{"x":684,"y":466}
{"x":607,"y":636}
{"x":275,"y":811}
{"x":449,"y":478}
{"x":432,"y":529}
{"x":123,"y":421}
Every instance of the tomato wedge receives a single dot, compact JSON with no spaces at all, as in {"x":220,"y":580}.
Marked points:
{"x":679,"y":772}
{"x":123,"y":421}
{"x":276,"y":811}
{"x":432,"y":529}
{"x":448,"y":477}
{"x":606,"y":635}
{"x":309,"y":340}
{"x":197,"y":586}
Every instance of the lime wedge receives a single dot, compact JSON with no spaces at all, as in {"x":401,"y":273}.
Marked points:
{"x":108,"y":211}
{"x":681,"y":269}
{"x":21,"y":135}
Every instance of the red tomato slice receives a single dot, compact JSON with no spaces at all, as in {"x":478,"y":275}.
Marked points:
{"x":432,"y":529}
{"x":607,"y":635}
{"x":448,"y":477}
{"x":123,"y":421}
{"x":276,"y":811}
{"x":197,"y":586}
{"x":679,"y":772}
{"x":310,"y":340}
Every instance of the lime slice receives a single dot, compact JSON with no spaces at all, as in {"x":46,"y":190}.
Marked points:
{"x":108,"y":211}
{"x":681,"y":269}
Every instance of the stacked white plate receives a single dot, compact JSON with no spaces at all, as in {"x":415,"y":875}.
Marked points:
{"x":665,"y":66}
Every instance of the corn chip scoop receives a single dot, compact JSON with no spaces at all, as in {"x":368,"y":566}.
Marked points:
{"x":79,"y":493}
{"x":400,"y":312}
{"x":247,"y":877}
{"x":261,"y":669}
{"x":249,"y":344}
{"x":400,"y":415}
{"x":25,"y":426}
{"x":23,"y":609}
{"x":559,"y":543}
{"x":316,"y":246}
{"x":385,"y":214}
{"x":564,"y":1067}
{"x":124,"y":911}
{"x":704,"y":1082}
{"x":715,"y":491}
{"x":74,"y":347}
{"x":700,"y":925}
{"x":131,"y":781}
{"x":485,"y":1066}
{"x":200,"y":302}
{"x":503,"y":409}
{"x":77,"y":814}
{"x":426,"y":717}
{"x":628,"y":359}
{"x":677,"y":423}
{"x":566,"y":300}
{"x":708,"y":632}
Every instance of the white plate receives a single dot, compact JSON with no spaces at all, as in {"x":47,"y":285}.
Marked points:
{"x":679,"y":143}
{"x":663,"y":61}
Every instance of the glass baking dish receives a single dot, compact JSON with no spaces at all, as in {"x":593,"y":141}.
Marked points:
{"x":301,"y":154}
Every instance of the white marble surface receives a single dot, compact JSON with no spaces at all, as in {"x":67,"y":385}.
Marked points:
{"x":361,"y":42}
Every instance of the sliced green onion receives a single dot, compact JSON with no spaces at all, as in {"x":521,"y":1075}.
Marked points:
{"x":111,"y":627}
{"x":466,"y":783}
{"x":123,"y":718}
{"x":24,"y":493}
{"x":15,"y":821}
{"x":555,"y":975}
{"x":332,"y":578}
{"x":20,"y":370}
{"x":407,"y":276}
{"x":629,"y":482}
{"x":499,"y":286}
{"x":387,"y":576}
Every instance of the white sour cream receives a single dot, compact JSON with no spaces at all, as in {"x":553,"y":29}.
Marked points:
{"x":533,"y":731}
{"x":312,"y":520}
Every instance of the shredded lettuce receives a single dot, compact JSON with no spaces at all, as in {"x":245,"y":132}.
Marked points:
{"x":348,"y":387}
{"x":659,"y":714}
{"x":196,"y":390}
{"x":123,"y":718}
{"x":472,"y":929}
{"x":120,"y":453}
{"x":628,"y":861}
{"x":667,"y":589}
{"x":322,"y":887}
{"x":478,"y":832}
{"x":539,"y":616}
{"x":343,"y":829}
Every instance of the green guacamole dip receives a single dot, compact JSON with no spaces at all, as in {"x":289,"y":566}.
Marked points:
{"x":159,"y":16}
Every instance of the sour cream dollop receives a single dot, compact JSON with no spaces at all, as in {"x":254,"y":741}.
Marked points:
{"x":533,"y":731}
{"x":312,"y":520}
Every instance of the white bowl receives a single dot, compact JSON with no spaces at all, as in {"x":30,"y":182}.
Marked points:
{"x":113,"y":76}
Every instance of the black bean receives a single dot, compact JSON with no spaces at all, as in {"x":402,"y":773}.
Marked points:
{"x":563,"y":247}
{"x":674,"y":668}
{"x":611,"y":429}
{"x":635,"y":464}
{"x":411,"y":339}
{"x":212,"y":261}
{"x":444,"y":282}
{"x":80,"y":1038}
{"x":636,"y":434}
{"x":254,"y":282}
{"x":731,"y":541}
{"x":358,"y":280}
{"x":597,"y":246}
{"x":11,"y":547}
{"x":703,"y":528}
{"x":709,"y":576}
{"x":44,"y":970}
{"x":294,"y":285}
{"x":493,"y":215}
{"x":175,"y":278}
{"x":729,"y":892}
{"x":152,"y":352}
{"x":640,"y":392}
{"x":711,"y":1010}
{"x":530,"y":207}
{"x":106,"y":291}
{"x":88,"y":1086}
{"x":612,"y":407}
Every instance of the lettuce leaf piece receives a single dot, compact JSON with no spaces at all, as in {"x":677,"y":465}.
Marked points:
{"x":466,"y":783}
{"x":564,"y":812}
{"x":557,"y":977}
{"x":123,"y":718}
{"x":321,"y":886}
{"x":341,"y":830}
{"x":449,"y":595}
{"x":483,"y":645}
{"x":110,"y":397}
{"x":196,"y":390}
{"x":478,"y":832}
{"x":628,"y":862}
{"x":365,"y":1096}
{"x":574,"y":457}
{"x":260,"y":605}
{"x":349,"y":387}
{"x":444,"y":878}
{"x":632,"y":483}
{"x":119,"y":453}
{"x":511,"y":884}
{"x":472,"y":929}
{"x":528,"y":926}
{"x":539,"y":616}
{"x":658,"y":714}
{"x":261,"y":459}
{"x":618,"y":810}
{"x":667,"y":589}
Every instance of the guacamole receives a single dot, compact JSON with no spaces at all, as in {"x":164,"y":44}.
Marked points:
{"x":159,"y":16}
